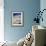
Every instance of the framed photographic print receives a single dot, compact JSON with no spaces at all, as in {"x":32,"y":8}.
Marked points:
{"x":17,"y":18}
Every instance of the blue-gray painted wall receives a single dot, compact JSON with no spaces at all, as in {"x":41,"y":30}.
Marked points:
{"x":29,"y":7}
{"x":43,"y":6}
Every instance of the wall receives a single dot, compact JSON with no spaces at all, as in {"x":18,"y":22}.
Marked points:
{"x":43,"y":6}
{"x":29,"y":7}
